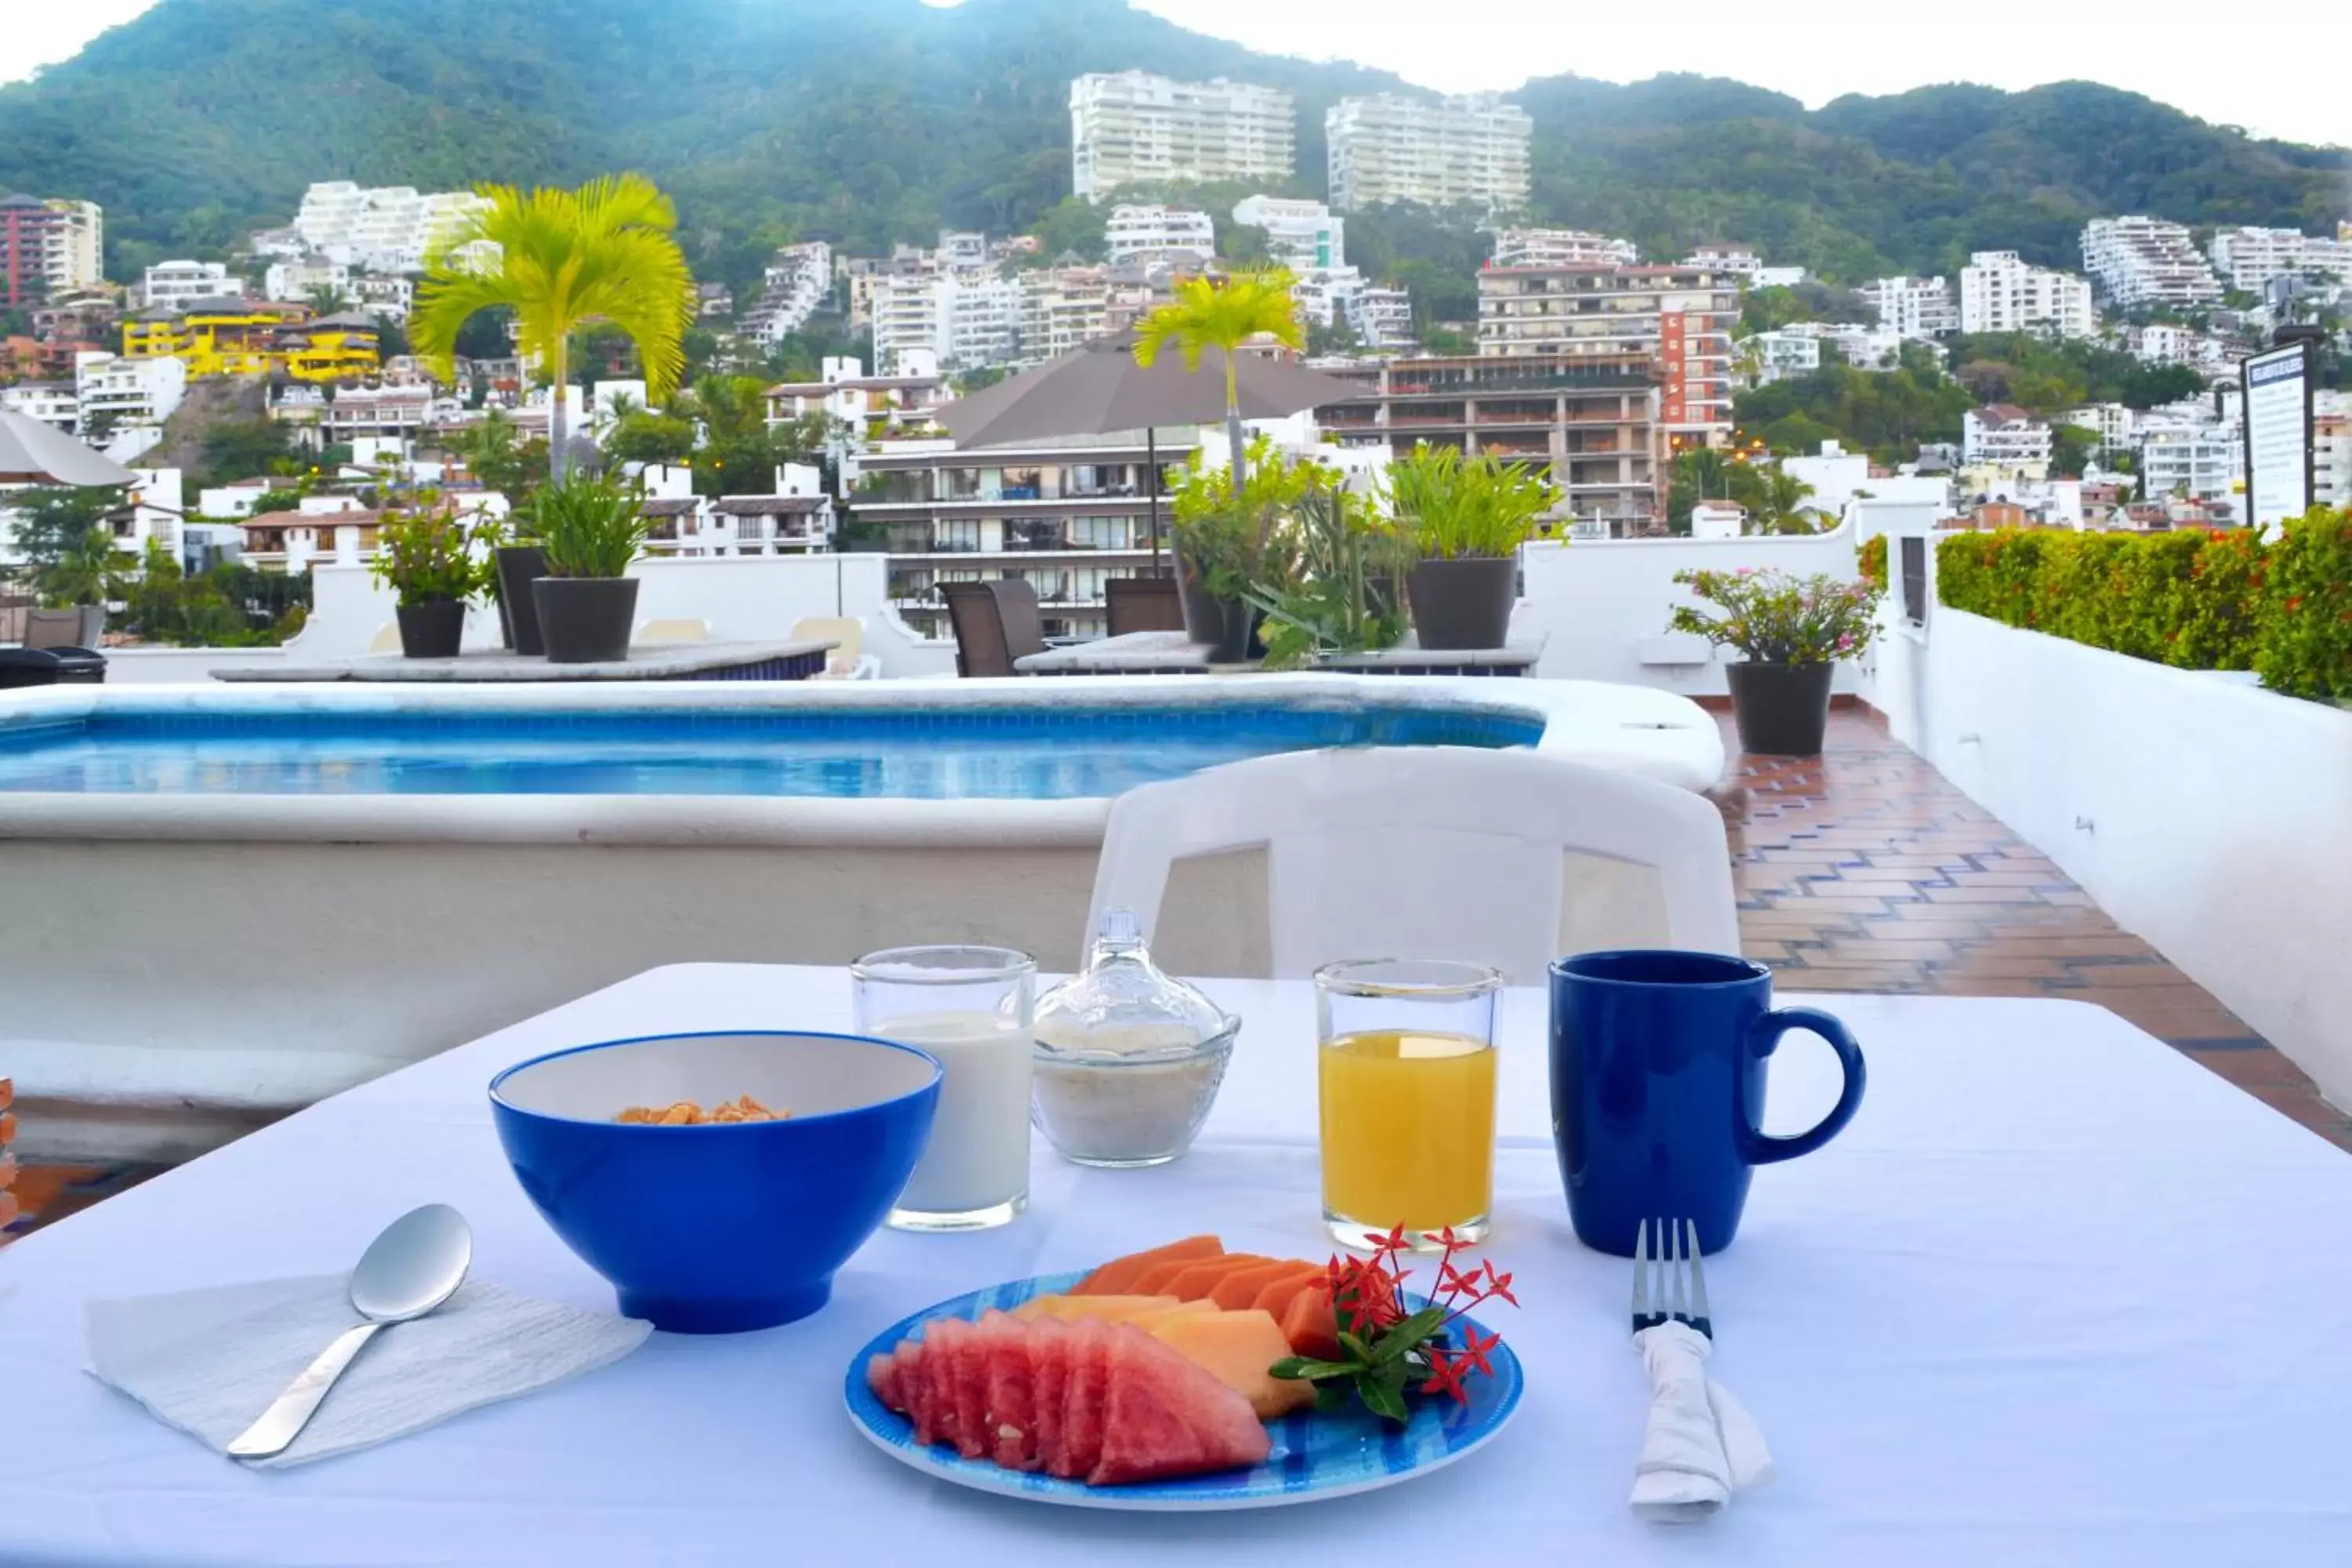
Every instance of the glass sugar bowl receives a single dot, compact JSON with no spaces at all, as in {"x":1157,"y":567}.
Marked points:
{"x":1128,"y":1058}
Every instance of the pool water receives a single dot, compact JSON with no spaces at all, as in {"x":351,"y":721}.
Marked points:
{"x":1001,"y":753}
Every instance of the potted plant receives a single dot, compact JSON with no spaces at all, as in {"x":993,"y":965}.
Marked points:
{"x":431,"y":558}
{"x":1227,"y":543}
{"x":517,"y":563}
{"x":589,"y":529}
{"x":1342,"y":597}
{"x":1789,"y":633}
{"x":1464,"y":519}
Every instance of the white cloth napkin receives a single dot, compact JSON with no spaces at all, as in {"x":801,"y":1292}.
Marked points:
{"x":1702,"y":1446}
{"x":210,"y":1362}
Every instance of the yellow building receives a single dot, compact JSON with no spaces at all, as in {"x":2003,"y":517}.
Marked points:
{"x":250,"y":336}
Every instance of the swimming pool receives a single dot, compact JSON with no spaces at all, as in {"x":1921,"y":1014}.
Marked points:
{"x":962,"y":752}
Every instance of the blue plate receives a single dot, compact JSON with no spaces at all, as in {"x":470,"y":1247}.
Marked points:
{"x":1316,"y":1456}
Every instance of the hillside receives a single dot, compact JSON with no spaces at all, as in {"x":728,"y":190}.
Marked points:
{"x":867,"y":121}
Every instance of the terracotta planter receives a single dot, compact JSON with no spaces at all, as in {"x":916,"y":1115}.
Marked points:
{"x":1782,"y":710}
{"x":585,"y":620}
{"x":433,"y":629}
{"x":1460,"y":605}
{"x":1228,"y":625}
{"x":521,"y":565}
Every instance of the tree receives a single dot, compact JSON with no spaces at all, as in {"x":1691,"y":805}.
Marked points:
{"x":51,"y":523}
{"x":605,"y":252}
{"x":496,"y":453}
{"x":1776,"y":501}
{"x":242,"y":450}
{"x":1072,"y":228}
{"x":1339,"y":338}
{"x":1223,"y":313}
{"x":645,"y":438}
{"x":92,"y":570}
{"x":326,"y":299}
{"x":2071,"y":449}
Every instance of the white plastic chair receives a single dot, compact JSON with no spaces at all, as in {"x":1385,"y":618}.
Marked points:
{"x":848,"y":660}
{"x":386,"y":639}
{"x":680,"y":629}
{"x":1422,"y":852}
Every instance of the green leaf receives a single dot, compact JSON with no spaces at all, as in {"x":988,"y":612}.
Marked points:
{"x":1382,"y":1397}
{"x":1300,"y":1368}
{"x":1333,"y":1397}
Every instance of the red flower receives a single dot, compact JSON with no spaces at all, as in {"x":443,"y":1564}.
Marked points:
{"x":1499,"y":1284}
{"x":1446,"y":1376}
{"x":1474,"y":1349}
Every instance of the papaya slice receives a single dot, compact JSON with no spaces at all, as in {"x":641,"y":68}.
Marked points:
{"x":1275,"y":1297}
{"x":1238,"y":1290}
{"x":1118,"y":1277}
{"x":1195,"y":1281}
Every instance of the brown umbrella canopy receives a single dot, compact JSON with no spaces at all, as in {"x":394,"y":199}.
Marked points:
{"x":1098,"y":389}
{"x":32,"y":453}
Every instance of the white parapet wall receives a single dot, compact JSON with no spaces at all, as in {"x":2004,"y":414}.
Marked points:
{"x":2204,"y":814}
{"x":1603,"y":604}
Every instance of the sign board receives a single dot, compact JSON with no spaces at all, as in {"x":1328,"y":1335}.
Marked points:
{"x":2278,"y":434}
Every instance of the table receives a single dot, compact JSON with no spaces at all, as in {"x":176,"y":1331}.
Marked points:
{"x":2058,"y":1296}
{"x":793,"y":659}
{"x":1173,"y":653}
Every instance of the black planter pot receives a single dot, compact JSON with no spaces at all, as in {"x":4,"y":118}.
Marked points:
{"x":1228,"y":625}
{"x":1782,"y":710}
{"x":1461,"y":604}
{"x":520,"y":565}
{"x":585,"y":620}
{"x":430,"y":630}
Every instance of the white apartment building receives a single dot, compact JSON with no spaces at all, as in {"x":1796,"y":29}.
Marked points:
{"x":2000,"y":293}
{"x":1740,"y":259}
{"x":1381,"y":317}
{"x":2111,"y":422}
{"x":1299,"y":235}
{"x":2204,"y":462}
{"x":798,"y":279}
{"x":1776,"y":277}
{"x":1133,"y":128}
{"x":1321,"y":293}
{"x":1136,"y":233}
{"x":1781,"y":353}
{"x":1916,"y":307}
{"x":50,"y":402}
{"x":384,"y":228}
{"x":1062,"y":308}
{"x":1561,"y":248}
{"x":295,"y":279}
{"x":2147,"y":261}
{"x":2249,"y":258}
{"x":383,"y":296}
{"x":1470,"y":150}
{"x":116,"y":394}
{"x":904,"y":313}
{"x":2004,"y":436}
{"x":1865,"y":348}
{"x":955,"y":320}
{"x":175,"y":285}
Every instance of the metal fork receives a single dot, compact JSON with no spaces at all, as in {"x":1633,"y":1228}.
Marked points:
{"x":1671,"y":1284}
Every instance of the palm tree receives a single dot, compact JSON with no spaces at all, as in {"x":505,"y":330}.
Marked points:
{"x":604,"y":252}
{"x":1775,"y":504}
{"x":1224,"y":313}
{"x":91,"y":571}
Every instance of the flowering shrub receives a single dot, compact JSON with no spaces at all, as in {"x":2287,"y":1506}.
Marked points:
{"x":1871,"y":563}
{"x":1774,"y":618}
{"x":2193,"y":598}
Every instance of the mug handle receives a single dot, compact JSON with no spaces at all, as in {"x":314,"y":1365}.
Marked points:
{"x":1763,"y":1149}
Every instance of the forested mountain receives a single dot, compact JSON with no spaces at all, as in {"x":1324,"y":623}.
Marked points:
{"x":862,"y":121}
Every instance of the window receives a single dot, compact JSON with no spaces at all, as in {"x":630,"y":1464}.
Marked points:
{"x":956,"y":534}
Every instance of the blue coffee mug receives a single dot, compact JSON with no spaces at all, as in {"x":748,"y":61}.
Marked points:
{"x":1657,"y":1089}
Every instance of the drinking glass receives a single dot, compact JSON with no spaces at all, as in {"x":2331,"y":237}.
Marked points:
{"x":974,"y":1008}
{"x":1406,"y":1073}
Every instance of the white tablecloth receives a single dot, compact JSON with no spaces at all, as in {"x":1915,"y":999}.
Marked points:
{"x":2058,"y":1296}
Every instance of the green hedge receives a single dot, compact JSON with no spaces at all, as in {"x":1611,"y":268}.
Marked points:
{"x":2198,"y":599}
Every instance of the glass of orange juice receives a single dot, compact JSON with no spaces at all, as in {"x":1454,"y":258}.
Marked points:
{"x":1406,"y":1074}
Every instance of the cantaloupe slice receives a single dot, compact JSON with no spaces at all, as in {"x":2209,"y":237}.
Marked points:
{"x":1118,"y":1276}
{"x":1238,"y":1290}
{"x":1197,"y":1279}
{"x":1102,"y":1309}
{"x":1237,"y":1348}
{"x":1275,"y":1298}
{"x":1149,"y":1322}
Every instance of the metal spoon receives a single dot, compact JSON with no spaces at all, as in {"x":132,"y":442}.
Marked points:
{"x":415,"y":1266}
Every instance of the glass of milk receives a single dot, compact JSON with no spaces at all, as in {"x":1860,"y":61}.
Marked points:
{"x":974,"y":1008}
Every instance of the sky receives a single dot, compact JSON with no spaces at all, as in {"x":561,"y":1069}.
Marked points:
{"x":2245,"y":65}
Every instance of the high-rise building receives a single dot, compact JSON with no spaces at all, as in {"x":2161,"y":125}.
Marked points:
{"x":2248,"y":258}
{"x":1592,"y":421}
{"x":1131,"y":127}
{"x":2000,"y":293}
{"x":172,"y":285}
{"x":1458,"y":150}
{"x":797,"y":279}
{"x":2146,"y":261}
{"x":1136,"y":233}
{"x":949,"y":320}
{"x":1920,"y":308}
{"x":1561,"y":248}
{"x":1682,"y":316}
{"x":49,"y":248}
{"x":1301,"y":235}
{"x":384,"y":228}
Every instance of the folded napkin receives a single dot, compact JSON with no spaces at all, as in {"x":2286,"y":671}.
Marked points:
{"x":210,"y":1362}
{"x":1702,"y":1445}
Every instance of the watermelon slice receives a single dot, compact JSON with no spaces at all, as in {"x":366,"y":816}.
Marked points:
{"x":974,"y":1438}
{"x":1049,"y":1382}
{"x":914,"y":1385}
{"x":1081,"y":1401}
{"x":1164,"y":1416}
{"x":882,"y":1377}
{"x":1011,"y":1417}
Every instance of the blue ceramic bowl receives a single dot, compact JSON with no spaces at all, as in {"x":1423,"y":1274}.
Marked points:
{"x":716,"y":1229}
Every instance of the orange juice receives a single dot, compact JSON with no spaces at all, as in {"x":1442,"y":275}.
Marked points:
{"x":1408,"y":1130}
